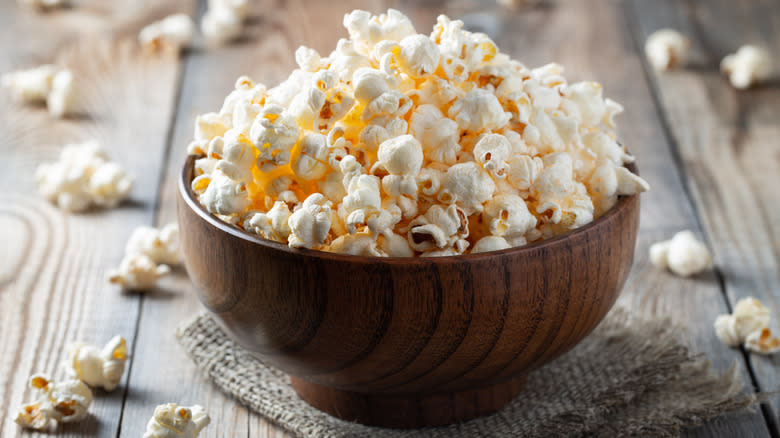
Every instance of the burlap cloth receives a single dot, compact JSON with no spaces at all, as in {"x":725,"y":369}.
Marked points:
{"x":629,"y":377}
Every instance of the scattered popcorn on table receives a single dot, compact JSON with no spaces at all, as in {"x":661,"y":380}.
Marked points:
{"x":667,"y":49}
{"x":137,"y":272}
{"x":96,"y":367}
{"x":44,"y":4}
{"x":401,"y":144}
{"x":684,"y":254}
{"x":749,"y":66}
{"x":63,"y":402}
{"x":83,"y":177}
{"x":762,"y":342}
{"x":748,"y":325}
{"x":160,"y":245}
{"x":172,"y":33}
{"x":45,"y":84}
{"x":173,"y":421}
{"x":224,"y":20}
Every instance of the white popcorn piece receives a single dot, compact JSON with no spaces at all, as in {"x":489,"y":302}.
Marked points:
{"x":750,"y":315}
{"x":61,"y":101}
{"x":274,"y":133}
{"x":523,"y":170}
{"x":762,"y":342}
{"x":173,"y":421}
{"x":367,"y":30}
{"x":490,"y":243}
{"x":439,"y":227}
{"x":47,"y":83}
{"x":726,"y":331}
{"x":310,"y":223}
{"x":33,"y":85}
{"x":666,"y":49}
{"x":437,"y":134}
{"x":419,"y":55}
{"x":307,"y":59}
{"x":210,"y":125}
{"x":272,"y":224}
{"x":749,"y":66}
{"x":683,"y":254}
{"x":237,"y":157}
{"x":97,"y":367}
{"x":64,"y":402}
{"x":401,"y":155}
{"x":468,"y":186}
{"x":312,"y":161}
{"x":83,"y":177}
{"x":223,"y":195}
{"x":137,"y":272}
{"x":492,"y":151}
{"x":478,"y":110}
{"x":173,"y":33}
{"x":160,"y":245}
{"x":508,"y":216}
{"x":221,"y":25}
{"x":748,"y":324}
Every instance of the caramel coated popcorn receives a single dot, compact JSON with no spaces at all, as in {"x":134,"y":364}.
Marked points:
{"x":403,"y":144}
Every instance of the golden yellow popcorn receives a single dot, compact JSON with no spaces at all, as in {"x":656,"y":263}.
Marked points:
{"x":403,"y":144}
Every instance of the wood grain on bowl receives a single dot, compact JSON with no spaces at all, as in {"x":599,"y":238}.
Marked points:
{"x":407,"y":342}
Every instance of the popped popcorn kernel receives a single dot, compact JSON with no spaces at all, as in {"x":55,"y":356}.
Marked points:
{"x":684,"y":255}
{"x":174,"y":421}
{"x":64,"y":402}
{"x":749,"y":66}
{"x":97,"y":367}
{"x":50,"y":84}
{"x":224,"y":19}
{"x":666,"y":49}
{"x":748,"y":325}
{"x":83,"y":177}
{"x":399,"y":144}
{"x":172,"y":33}
{"x":137,"y":272}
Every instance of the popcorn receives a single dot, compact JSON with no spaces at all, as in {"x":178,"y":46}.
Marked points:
{"x":310,"y":223}
{"x":174,"y":421}
{"x":749,"y":324}
{"x":666,"y":49}
{"x":64,"y":402}
{"x":749,"y":66}
{"x":683,"y":254}
{"x":160,"y":245}
{"x":96,"y":367}
{"x":507,"y":216}
{"x":223,"y":21}
{"x":492,"y":151}
{"x":762,"y":342}
{"x":173,"y":33}
{"x":137,"y":272}
{"x":82,"y":177}
{"x":61,"y":100}
{"x":394,"y":142}
{"x":490,"y":243}
{"x":478,"y":110}
{"x":46,"y":83}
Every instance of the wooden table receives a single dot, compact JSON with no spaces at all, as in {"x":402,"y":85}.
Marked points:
{"x":710,"y":153}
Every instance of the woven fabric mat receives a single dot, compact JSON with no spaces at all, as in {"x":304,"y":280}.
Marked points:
{"x":629,"y":377}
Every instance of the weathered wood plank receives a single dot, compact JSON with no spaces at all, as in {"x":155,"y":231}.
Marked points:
{"x":727,"y":143}
{"x":52,"y":287}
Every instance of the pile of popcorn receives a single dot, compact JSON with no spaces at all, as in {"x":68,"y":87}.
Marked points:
{"x":401,"y":144}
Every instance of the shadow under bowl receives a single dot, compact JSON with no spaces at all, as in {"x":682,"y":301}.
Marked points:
{"x":407,"y":342}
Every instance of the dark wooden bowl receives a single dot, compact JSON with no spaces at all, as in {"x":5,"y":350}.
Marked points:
{"x":407,"y":342}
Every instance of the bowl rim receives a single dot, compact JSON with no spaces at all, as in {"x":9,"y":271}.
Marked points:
{"x":185,"y":192}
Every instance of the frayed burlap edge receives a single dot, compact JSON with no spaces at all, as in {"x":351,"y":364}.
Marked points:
{"x":631,"y":376}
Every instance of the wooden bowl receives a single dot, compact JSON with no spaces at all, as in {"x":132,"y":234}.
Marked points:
{"x":407,"y":342}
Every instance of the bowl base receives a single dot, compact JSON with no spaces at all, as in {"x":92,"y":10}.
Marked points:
{"x":409,"y":411}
